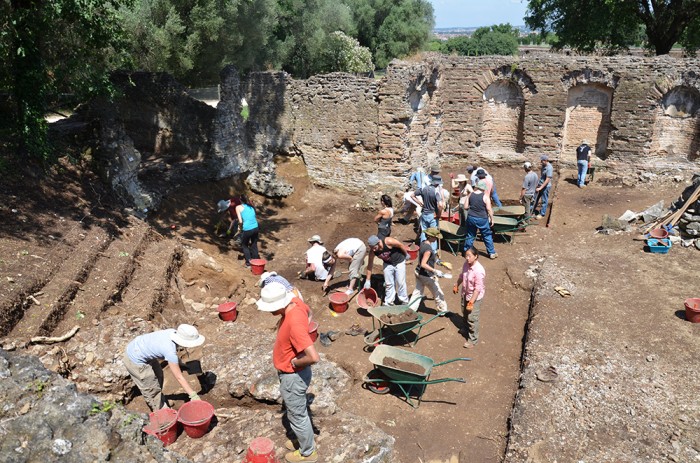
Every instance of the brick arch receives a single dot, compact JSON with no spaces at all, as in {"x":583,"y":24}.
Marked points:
{"x":676,"y":132}
{"x":588,"y":108}
{"x":505,"y":91}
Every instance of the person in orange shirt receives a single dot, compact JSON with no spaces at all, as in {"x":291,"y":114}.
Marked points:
{"x":293,"y":355}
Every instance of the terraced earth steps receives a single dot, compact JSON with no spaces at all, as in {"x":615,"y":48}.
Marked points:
{"x":25,"y":267}
{"x":148,"y":289}
{"x":61,"y":288}
{"x":109,"y":276}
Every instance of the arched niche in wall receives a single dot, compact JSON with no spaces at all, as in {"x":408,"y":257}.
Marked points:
{"x":588,"y":108}
{"x":677,"y":124}
{"x":505,"y":92}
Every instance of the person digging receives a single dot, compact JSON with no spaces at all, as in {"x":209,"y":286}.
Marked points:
{"x":144,"y":354}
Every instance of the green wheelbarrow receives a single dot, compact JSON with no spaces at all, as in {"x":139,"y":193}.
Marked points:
{"x":388,"y":330}
{"x":408,"y":370}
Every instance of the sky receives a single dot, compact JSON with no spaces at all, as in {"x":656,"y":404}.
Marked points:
{"x":468,"y":13}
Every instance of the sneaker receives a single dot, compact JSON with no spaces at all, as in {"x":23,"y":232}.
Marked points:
{"x":355,"y":330}
{"x":334,"y":335}
{"x":291,"y":444}
{"x":349,"y":291}
{"x":539,"y":217}
{"x":468,"y":345}
{"x":493,"y":256}
{"x":325,"y":340}
{"x":296,"y":455}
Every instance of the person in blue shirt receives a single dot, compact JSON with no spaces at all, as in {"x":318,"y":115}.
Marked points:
{"x":144,"y":354}
{"x":248,"y":226}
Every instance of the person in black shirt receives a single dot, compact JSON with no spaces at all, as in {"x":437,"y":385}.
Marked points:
{"x":426,"y":273}
{"x":393,"y":253}
{"x":583,"y":158}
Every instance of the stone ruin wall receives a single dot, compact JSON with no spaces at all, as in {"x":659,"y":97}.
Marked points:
{"x":364,"y":134}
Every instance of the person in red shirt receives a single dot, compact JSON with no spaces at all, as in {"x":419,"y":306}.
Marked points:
{"x":293,"y":355}
{"x":228,"y":206}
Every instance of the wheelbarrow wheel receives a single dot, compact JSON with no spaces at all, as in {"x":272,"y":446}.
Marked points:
{"x":372,"y":339}
{"x":378,"y":387}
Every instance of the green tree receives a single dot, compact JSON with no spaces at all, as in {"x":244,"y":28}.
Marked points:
{"x":343,"y":53}
{"x":194,"y":39}
{"x":51,"y":48}
{"x":615,"y":24}
{"x":392,"y":28}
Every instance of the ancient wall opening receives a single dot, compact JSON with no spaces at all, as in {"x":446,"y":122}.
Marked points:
{"x":588,"y":117}
{"x":677,"y":124}
{"x":503,"y":117}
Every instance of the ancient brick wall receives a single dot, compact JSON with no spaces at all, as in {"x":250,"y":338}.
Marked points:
{"x":366,"y":135}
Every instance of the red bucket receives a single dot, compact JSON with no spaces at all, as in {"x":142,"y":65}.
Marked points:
{"x":413,"y":251}
{"x":228,"y":312}
{"x":692,"y":309}
{"x":659,"y":233}
{"x":195,"y":417}
{"x":257,"y":266}
{"x":261,"y":450}
{"x":339,"y":302}
{"x":163,"y":425}
{"x":313,"y":331}
{"x":367,"y":298}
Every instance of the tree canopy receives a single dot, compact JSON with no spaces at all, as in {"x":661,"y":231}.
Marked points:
{"x":501,"y":39}
{"x":617,"y":24}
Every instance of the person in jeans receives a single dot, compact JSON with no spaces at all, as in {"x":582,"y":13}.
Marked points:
{"x":545,"y":185}
{"x":248,"y":225}
{"x":427,"y":275}
{"x":144,"y":354}
{"x":472,"y":282}
{"x":393,"y":253}
{"x":292,"y":355}
{"x":430,"y":199}
{"x":480,"y":219}
{"x":583,"y":158}
{"x":492,"y":192}
{"x":527,"y":193}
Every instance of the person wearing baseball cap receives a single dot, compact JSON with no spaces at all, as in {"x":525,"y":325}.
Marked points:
{"x":432,"y":203}
{"x":527,"y":193}
{"x":480,"y":219}
{"x":545,"y":185}
{"x":292,"y":355}
{"x":144,"y":354}
{"x":393,"y":254}
{"x":482,"y":174}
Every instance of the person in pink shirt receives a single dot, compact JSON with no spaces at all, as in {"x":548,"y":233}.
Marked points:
{"x":472,"y":282}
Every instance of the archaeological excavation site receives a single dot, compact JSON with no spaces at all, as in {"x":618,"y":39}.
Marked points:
{"x":587,"y":352}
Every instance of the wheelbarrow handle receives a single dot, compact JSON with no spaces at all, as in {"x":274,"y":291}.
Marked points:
{"x":427,"y":381}
{"x":450,"y":361}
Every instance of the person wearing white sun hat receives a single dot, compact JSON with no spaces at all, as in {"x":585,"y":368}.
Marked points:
{"x":292,"y":355}
{"x":144,"y":354}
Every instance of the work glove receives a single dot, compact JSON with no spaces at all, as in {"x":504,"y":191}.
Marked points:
{"x":367,"y":284}
{"x":194,"y":396}
{"x":470,"y":306}
{"x":439,"y":274}
{"x":455,"y":289}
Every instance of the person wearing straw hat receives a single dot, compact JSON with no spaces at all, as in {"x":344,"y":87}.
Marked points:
{"x":292,"y":355}
{"x":463,"y":188}
{"x":227,"y":206}
{"x":144,"y":354}
{"x":426,"y":273}
{"x":480,"y":219}
{"x":583,"y":158}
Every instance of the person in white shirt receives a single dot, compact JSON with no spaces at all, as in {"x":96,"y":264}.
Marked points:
{"x":353,"y":250}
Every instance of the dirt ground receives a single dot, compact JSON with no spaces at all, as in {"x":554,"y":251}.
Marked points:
{"x":456,"y":421}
